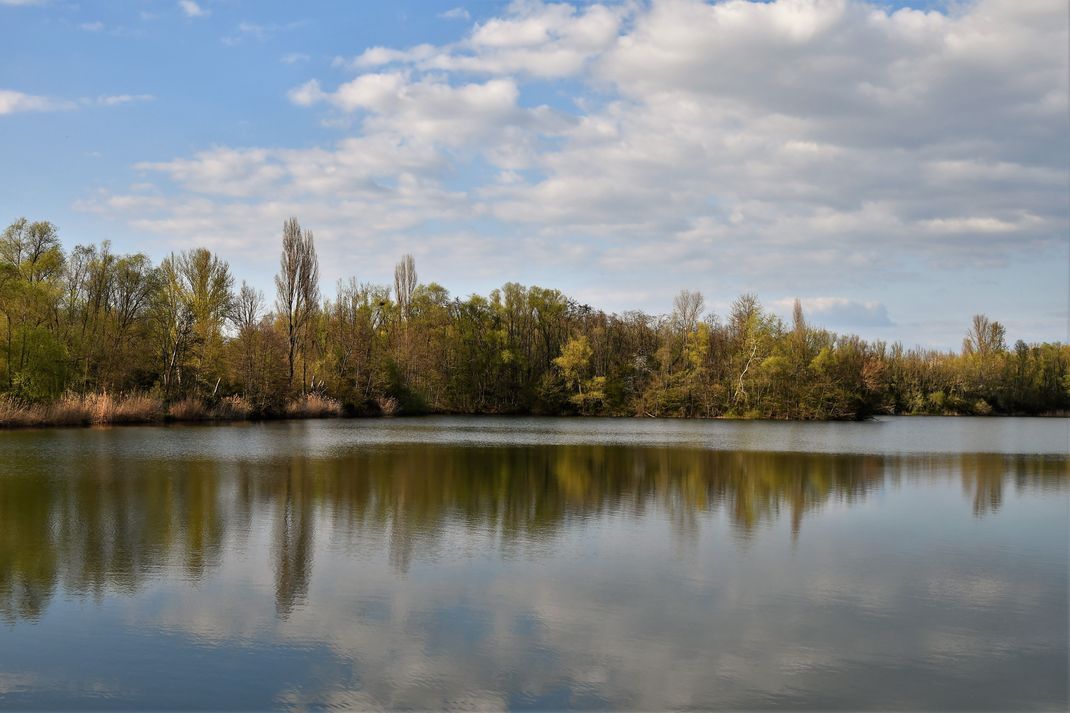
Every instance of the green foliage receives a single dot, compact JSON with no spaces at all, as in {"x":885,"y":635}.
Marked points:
{"x":93,"y":321}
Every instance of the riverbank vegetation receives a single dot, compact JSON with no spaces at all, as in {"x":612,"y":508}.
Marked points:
{"x":90,"y":336}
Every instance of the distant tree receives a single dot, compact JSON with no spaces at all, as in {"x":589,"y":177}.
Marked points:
{"x":574,"y":364}
{"x":984,"y":338}
{"x":752,"y":332}
{"x":687,"y":309}
{"x":297,"y":289}
{"x":984,"y":348}
{"x":247,"y":307}
{"x":174,"y":320}
{"x":405,"y":284}
{"x":798,"y":322}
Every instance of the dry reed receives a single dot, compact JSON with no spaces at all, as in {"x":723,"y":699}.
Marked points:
{"x":81,"y":410}
{"x":233,"y":408}
{"x":313,"y":406}
{"x":87,"y":409}
{"x":188,"y":409}
{"x":137,"y":408}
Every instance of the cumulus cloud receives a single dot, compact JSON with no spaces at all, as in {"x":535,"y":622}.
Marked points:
{"x":483,"y":116}
{"x":534,"y":39}
{"x":778,"y":144}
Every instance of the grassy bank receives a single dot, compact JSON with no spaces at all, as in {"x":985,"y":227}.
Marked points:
{"x":102,"y":409}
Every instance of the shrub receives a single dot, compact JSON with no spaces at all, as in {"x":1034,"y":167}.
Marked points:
{"x":388,"y":405}
{"x":233,"y":408}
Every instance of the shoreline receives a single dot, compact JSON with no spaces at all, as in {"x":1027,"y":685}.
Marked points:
{"x":160,"y":415}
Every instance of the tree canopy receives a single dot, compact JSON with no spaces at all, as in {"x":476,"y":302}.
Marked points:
{"x":90,"y":321}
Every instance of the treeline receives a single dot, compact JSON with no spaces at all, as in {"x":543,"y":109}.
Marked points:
{"x":182,"y":338}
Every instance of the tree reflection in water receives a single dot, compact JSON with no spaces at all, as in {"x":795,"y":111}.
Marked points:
{"x":88,"y":523}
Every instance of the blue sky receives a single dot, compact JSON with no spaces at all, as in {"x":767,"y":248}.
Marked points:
{"x":898,"y":166}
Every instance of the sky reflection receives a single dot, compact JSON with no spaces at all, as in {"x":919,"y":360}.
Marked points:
{"x":552,"y":575}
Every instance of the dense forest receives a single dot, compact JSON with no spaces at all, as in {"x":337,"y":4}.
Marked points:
{"x":92,"y":336}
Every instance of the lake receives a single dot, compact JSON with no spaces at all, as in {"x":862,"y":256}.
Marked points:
{"x":524,"y":563}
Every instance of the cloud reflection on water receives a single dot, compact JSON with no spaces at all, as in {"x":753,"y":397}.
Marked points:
{"x":561,"y":575}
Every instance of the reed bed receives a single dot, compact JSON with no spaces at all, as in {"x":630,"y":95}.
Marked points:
{"x":313,"y":406}
{"x":138,"y":408}
{"x":81,"y":410}
{"x":104,"y":408}
{"x":189,"y":409}
{"x":13,"y":413}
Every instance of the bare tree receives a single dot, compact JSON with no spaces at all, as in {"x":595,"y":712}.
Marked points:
{"x":405,"y":283}
{"x":985,"y":341}
{"x":798,"y":322}
{"x":686,"y":309}
{"x":297,"y":287}
{"x":248,"y":304}
{"x":984,"y":337}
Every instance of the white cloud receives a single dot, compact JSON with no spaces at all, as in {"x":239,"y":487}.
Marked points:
{"x":775,"y":145}
{"x":307,"y":94}
{"x":12,"y":102}
{"x":117,"y":99}
{"x":536,"y":39}
{"x":191,"y":9}
{"x":95,"y":26}
{"x":970,"y":225}
{"x":838,"y":312}
{"x":475,"y":117}
{"x":294,"y":58}
{"x":378,"y":56}
{"x":456,"y":13}
{"x":260,"y":32}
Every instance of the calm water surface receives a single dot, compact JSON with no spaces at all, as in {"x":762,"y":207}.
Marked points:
{"x":537,"y":564}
